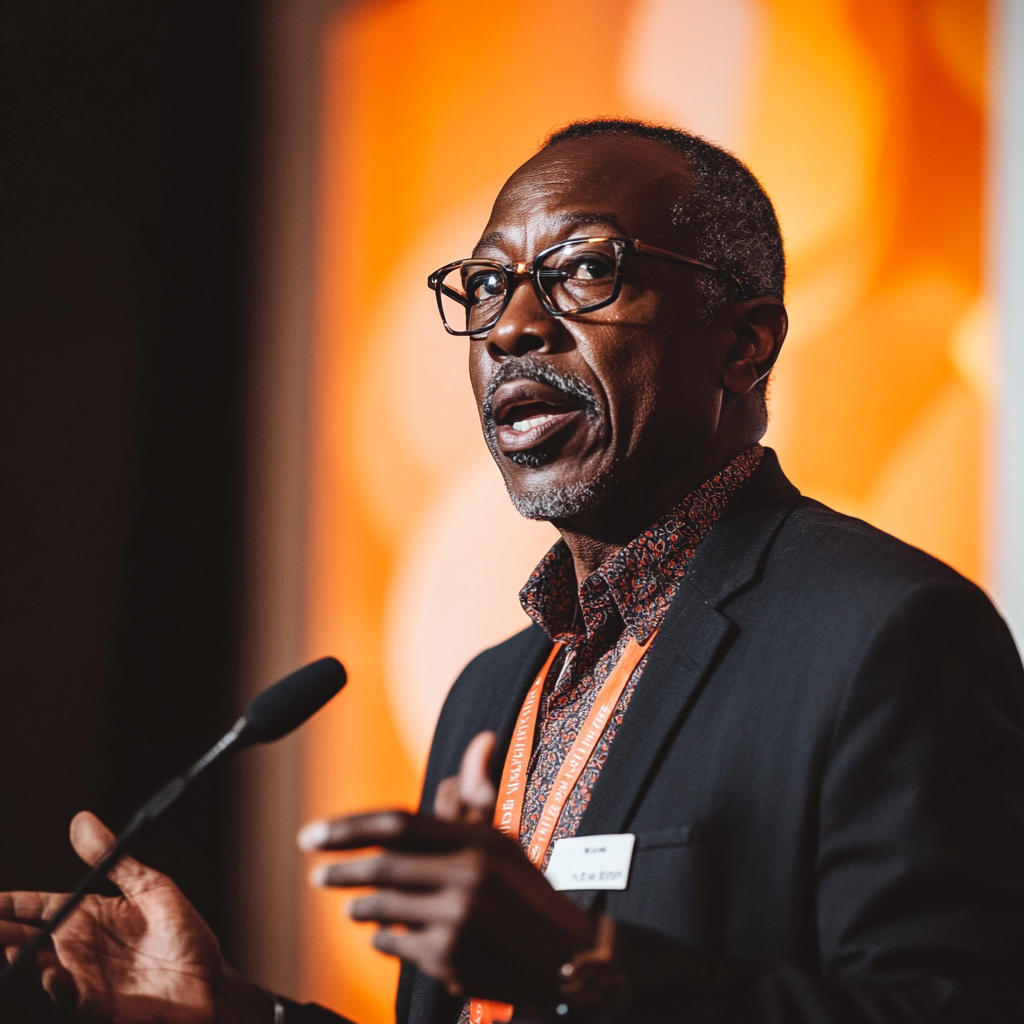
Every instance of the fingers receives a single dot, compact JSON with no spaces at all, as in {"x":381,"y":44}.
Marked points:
{"x":410,"y":909}
{"x":469,"y":796}
{"x":92,"y":840}
{"x":475,"y":789}
{"x":427,"y":948}
{"x":401,"y":871}
{"x":30,"y":908}
{"x":14,"y":935}
{"x":447,"y":802}
{"x":395,"y":830}
{"x":58,"y":982}
{"x":21,"y":913}
{"x":54,"y":978}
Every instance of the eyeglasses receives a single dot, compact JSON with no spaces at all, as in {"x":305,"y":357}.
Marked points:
{"x":571,"y":278}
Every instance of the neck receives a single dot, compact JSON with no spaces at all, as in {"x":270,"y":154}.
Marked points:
{"x":588,"y":553}
{"x":593,"y":542}
{"x":596,"y":537}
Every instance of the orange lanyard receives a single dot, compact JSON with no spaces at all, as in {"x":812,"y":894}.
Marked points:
{"x":508,"y":812}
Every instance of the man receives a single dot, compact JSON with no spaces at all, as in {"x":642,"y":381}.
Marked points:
{"x":802,"y":737}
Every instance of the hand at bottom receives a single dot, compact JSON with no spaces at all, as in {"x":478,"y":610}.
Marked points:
{"x":455,"y":896}
{"x":146,"y":956}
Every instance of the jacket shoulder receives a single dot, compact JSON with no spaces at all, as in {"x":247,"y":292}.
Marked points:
{"x":519,"y":645}
{"x":842,"y":579}
{"x":493,"y":666}
{"x":817,"y":543}
{"x":822,"y":540}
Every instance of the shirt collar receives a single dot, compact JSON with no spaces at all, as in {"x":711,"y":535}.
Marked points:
{"x":634,"y":586}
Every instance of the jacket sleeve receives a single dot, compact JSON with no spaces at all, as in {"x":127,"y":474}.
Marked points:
{"x":919,"y":859}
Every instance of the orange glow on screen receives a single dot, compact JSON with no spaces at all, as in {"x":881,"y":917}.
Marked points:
{"x":864,"y":120}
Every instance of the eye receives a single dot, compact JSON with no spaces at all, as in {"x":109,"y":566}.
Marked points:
{"x":591,"y":267}
{"x":485,"y":285}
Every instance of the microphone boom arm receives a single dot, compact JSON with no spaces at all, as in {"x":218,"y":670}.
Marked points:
{"x":274,"y":713}
{"x":146,"y":815}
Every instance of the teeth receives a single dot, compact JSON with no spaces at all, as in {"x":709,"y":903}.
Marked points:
{"x":521,"y":426}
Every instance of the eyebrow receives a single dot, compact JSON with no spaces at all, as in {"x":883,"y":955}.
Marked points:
{"x":558,"y":220}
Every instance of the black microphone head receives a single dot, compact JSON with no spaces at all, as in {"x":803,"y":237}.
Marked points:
{"x":287,"y":704}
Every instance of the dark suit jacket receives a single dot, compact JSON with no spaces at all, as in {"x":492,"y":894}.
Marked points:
{"x":824,"y":768}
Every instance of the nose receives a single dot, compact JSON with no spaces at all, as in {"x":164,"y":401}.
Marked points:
{"x":524,"y":326}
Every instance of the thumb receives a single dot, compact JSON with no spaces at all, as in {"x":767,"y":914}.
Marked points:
{"x":92,"y":840}
{"x":476,"y":792}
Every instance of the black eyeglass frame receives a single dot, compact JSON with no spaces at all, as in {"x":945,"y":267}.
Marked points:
{"x":513,"y":274}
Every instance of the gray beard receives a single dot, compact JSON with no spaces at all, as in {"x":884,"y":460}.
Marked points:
{"x":562,"y":503}
{"x":553,"y":503}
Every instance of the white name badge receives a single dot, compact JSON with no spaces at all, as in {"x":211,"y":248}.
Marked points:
{"x":591,"y":862}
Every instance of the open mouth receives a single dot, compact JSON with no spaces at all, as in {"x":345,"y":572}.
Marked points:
{"x":527,"y":413}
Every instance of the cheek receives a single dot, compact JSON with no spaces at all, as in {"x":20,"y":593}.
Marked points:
{"x":479,"y":377}
{"x":656,"y":387}
{"x":629,"y":368}
{"x":639,"y":380}
{"x":647,"y":358}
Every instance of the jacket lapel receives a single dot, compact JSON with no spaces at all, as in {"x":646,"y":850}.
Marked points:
{"x":685,"y":651}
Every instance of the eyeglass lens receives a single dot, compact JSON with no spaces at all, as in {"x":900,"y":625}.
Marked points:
{"x":573,"y":278}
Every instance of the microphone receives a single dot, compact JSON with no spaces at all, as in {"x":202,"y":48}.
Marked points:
{"x":274,"y":713}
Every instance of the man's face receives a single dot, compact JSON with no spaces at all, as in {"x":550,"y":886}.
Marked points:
{"x":592,"y":417}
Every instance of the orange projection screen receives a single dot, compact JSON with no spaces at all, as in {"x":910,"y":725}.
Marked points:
{"x":866,"y":122}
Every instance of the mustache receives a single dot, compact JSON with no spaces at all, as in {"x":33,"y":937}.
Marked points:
{"x":541,"y":373}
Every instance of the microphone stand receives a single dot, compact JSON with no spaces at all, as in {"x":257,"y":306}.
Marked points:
{"x":272,"y":714}
{"x":146,"y":815}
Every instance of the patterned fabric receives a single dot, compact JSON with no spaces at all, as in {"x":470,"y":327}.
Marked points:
{"x":627,"y":596}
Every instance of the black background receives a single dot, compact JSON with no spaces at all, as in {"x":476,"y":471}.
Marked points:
{"x":125,"y":195}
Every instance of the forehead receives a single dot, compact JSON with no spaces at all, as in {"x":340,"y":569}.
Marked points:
{"x":607,"y":183}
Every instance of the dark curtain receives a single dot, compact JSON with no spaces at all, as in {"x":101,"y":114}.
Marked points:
{"x":125,"y":168}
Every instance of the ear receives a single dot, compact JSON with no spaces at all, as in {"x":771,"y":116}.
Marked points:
{"x":758,"y":328}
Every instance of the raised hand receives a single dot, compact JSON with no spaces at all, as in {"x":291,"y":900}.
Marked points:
{"x":469,"y":796}
{"x":146,"y":956}
{"x":471,"y":910}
